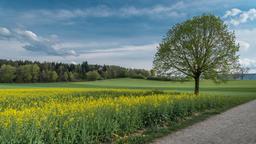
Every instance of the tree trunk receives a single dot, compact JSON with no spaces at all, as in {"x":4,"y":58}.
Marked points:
{"x":196,"y":91}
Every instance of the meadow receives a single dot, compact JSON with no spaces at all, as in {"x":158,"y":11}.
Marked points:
{"x":235,"y":87}
{"x":107,"y":111}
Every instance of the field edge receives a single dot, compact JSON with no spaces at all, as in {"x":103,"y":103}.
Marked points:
{"x":151,"y":134}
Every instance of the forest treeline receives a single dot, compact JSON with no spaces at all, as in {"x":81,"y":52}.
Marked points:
{"x":33,"y":71}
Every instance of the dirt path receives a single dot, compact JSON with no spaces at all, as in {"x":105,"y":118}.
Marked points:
{"x":235,"y":126}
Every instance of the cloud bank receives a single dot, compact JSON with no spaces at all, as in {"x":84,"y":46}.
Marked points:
{"x":33,"y":42}
{"x":236,"y":16}
{"x":100,"y":53}
{"x":105,"y":11}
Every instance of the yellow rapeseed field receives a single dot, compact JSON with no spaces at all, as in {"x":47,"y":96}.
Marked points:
{"x":53,"y":115}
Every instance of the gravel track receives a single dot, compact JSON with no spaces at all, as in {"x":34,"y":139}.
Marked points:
{"x":235,"y":126}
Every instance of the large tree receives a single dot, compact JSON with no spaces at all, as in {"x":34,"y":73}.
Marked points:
{"x":200,"y":46}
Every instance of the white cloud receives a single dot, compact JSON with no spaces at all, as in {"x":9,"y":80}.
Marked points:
{"x":73,"y":62}
{"x":251,"y":63}
{"x":88,"y":44}
{"x":247,"y":62}
{"x":140,"y":56}
{"x":106,"y":47}
{"x":155,"y":10}
{"x":4,"y":32}
{"x":27,"y":34}
{"x":32,"y":42}
{"x":129,"y":48}
{"x":100,"y":11}
{"x":105,"y":11}
{"x":232,"y":12}
{"x":244,"y":46}
{"x":246,"y":39}
{"x":237,"y":16}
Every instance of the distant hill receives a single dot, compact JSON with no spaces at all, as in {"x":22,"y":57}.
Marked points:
{"x":249,"y":77}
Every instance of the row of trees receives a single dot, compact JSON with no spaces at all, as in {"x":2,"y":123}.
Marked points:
{"x":28,"y":71}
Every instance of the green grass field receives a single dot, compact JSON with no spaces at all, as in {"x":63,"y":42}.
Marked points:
{"x":246,"y":87}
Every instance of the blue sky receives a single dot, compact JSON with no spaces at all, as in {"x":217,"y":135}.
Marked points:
{"x":116,"y":32}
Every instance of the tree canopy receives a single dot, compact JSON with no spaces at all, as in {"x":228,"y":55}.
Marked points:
{"x":199,"y":47}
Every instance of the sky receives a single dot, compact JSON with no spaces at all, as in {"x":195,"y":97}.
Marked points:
{"x":115,"y":32}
